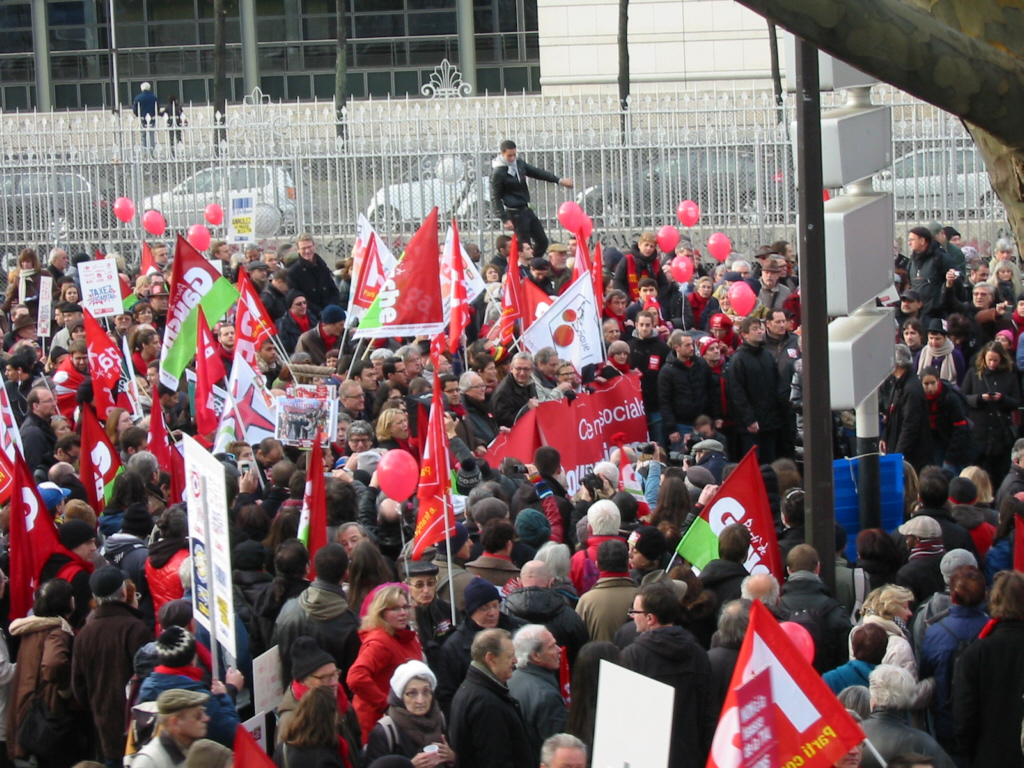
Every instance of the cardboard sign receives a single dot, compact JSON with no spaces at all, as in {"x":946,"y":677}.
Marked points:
{"x":101,"y":287}
{"x":299,"y":419}
{"x":45,"y":305}
{"x":618,"y":715}
{"x":257,"y":728}
{"x":241,"y":217}
{"x":267,"y":680}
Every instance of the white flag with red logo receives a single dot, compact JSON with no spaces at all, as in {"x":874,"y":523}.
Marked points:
{"x":571,"y":326}
{"x":252,"y":323}
{"x":105,"y":367}
{"x":812,"y":728}
{"x":372,"y":262}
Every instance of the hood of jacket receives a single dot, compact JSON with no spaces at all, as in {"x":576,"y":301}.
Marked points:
{"x":161,"y":552}
{"x":30,"y":624}
{"x":717,"y":571}
{"x":669,"y":643}
{"x":322,"y":601}
{"x":967,"y":516}
{"x":120,"y":544}
{"x":535,"y":604}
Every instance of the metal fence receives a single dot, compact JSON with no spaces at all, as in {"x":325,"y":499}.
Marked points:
{"x":315,"y":170}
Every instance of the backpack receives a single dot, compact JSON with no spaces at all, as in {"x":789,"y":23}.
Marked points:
{"x":590,"y":573}
{"x":963,"y":643}
{"x":142,"y":729}
{"x":813,"y":620}
{"x":391,"y":732}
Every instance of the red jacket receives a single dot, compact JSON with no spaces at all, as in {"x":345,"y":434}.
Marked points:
{"x":578,"y":563}
{"x":164,"y":584}
{"x":369,"y":678}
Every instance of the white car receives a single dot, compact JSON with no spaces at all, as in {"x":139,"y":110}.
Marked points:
{"x":451,"y":187}
{"x":184,"y":205}
{"x":940,"y":180}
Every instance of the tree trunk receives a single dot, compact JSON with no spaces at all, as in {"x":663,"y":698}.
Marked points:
{"x":623,"y":40}
{"x":341,"y":69}
{"x":220,"y":74}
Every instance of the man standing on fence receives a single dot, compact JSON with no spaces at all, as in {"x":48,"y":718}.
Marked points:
{"x":510,"y":196}
{"x":144,"y":108}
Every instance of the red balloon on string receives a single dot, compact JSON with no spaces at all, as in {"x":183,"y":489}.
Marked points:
{"x":154,"y":223}
{"x":681,"y":269}
{"x":688,"y":213}
{"x":742,"y":298}
{"x":801,"y":639}
{"x":398,"y":474}
{"x":124,"y":209}
{"x":214,"y":214}
{"x":586,"y":225}
{"x":570,"y":215}
{"x":199,"y":237}
{"x":668,"y":238}
{"x":719,"y":246}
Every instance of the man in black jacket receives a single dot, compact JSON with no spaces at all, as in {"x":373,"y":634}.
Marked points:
{"x":273,"y":296}
{"x":516,"y":393}
{"x":647,"y":354}
{"x":671,"y":655}
{"x":487,"y":725}
{"x":37,"y":436}
{"x":685,"y":390}
{"x":928,"y":267}
{"x":535,"y":602}
{"x":807,"y":598}
{"x":907,"y":430}
{"x":757,"y":395}
{"x":510,"y":197}
{"x":311,"y":275}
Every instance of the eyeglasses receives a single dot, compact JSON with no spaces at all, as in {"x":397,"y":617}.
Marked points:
{"x":360,"y":439}
{"x":429,"y":584}
{"x":635,"y":613}
{"x":521,"y":369}
{"x":426,"y":694}
{"x":326,"y":678}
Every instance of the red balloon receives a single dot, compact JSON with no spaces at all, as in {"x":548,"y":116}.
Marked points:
{"x":398,"y":474}
{"x":801,"y":639}
{"x":124,"y":209}
{"x":719,"y":246}
{"x":154,"y":223}
{"x":742,"y":298}
{"x":688,"y":213}
{"x":681,"y":269}
{"x":199,"y":237}
{"x":214,"y":214}
{"x":668,"y":238}
{"x":570,"y":215}
{"x":586,"y":225}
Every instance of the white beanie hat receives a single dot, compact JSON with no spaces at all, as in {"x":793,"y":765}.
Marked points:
{"x":408,"y":671}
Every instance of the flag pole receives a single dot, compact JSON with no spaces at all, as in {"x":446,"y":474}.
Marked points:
{"x":448,"y":549}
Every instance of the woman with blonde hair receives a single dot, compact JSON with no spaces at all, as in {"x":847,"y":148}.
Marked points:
{"x":388,"y":640}
{"x":1006,"y":280}
{"x":118,"y":420}
{"x":982,"y":482}
{"x":393,"y":429}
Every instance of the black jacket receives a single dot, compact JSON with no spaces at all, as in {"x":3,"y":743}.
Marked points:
{"x":686,"y":392}
{"x":482,"y":423}
{"x":756,"y":391}
{"x":321,"y":612}
{"x":723,"y":577}
{"x":806,"y":594}
{"x":644,"y":268}
{"x":38,"y":439}
{"x":288,"y":331}
{"x":537,"y":605}
{"x":723,"y":663}
{"x":455,"y":657}
{"x":314,"y":279}
{"x":950,"y":431}
{"x":672,"y":656}
{"x":922,"y":576}
{"x":274,"y":302}
{"x":487,"y":726}
{"x":508,"y":402}
{"x":906,"y":421}
{"x":434,"y":625}
{"x":927,"y":275}
{"x":509,"y":190}
{"x":993,"y":426}
{"x":648,"y":356}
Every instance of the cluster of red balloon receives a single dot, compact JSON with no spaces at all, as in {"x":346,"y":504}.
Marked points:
{"x":572,"y":217}
{"x":742,"y":298}
{"x":398,"y":474}
{"x":155,"y":224}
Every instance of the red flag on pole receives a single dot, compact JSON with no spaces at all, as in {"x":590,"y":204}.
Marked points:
{"x":459,"y":316}
{"x":581,"y":260}
{"x":6,"y":477}
{"x":597,"y":275}
{"x":149,"y":265}
{"x":105,"y":367}
{"x":511,"y":306}
{"x":248,"y":752}
{"x":436,"y":518}
{"x":252,"y":323}
{"x":209,"y":370}
{"x":1018,"y":544}
{"x":33,"y":538}
{"x":313,"y":519}
{"x":160,"y":445}
{"x":812,"y":728}
{"x":99,"y":462}
{"x":533,"y":303}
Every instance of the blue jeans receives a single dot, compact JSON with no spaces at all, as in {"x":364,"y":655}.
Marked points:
{"x":655,"y":428}
{"x":683,"y":430}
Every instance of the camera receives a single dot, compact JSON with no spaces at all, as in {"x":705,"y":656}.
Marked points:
{"x":592,"y":483}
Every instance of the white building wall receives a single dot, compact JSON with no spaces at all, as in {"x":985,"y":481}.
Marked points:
{"x":671,"y":42}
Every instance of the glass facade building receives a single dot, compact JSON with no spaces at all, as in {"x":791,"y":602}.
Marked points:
{"x":393,"y":45}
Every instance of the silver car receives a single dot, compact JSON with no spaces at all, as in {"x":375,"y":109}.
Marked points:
{"x":941,"y":180}
{"x":450,"y":184}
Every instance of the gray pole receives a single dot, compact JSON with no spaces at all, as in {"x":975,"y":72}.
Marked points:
{"x":41,"y":56}
{"x":467,"y":42}
{"x":115,"y":96}
{"x":819,"y":502}
{"x":250,"y":50}
{"x":869,"y":492}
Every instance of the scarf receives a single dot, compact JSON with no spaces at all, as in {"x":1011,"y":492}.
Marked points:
{"x":633,"y":275}
{"x":330,"y":341}
{"x":513,"y":167}
{"x":302,"y":321}
{"x":192,"y":673}
{"x":620,"y":367}
{"x":421,"y":730}
{"x":697,"y":304}
{"x":947,"y":368}
{"x":620,"y":319}
{"x":928,"y":548}
{"x":933,"y":408}
{"x":75,"y":566}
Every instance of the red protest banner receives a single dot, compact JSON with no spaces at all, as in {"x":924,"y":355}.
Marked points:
{"x":757,"y":722}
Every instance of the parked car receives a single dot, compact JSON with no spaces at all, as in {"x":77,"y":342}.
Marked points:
{"x":947,"y":182}
{"x":45,"y":205}
{"x":184,"y":204}
{"x":450,"y":184}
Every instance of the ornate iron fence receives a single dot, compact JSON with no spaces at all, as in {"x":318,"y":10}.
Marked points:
{"x":315,"y":169}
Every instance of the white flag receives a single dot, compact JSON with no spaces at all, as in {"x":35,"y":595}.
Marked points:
{"x":251,"y":406}
{"x":371,"y":255}
{"x":471,"y":275}
{"x":571,"y":326}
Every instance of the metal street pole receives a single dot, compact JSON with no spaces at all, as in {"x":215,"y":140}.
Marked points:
{"x":819,"y":501}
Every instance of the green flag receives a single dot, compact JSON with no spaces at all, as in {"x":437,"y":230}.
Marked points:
{"x":700,"y":544}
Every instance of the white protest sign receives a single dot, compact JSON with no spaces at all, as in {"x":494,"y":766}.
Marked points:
{"x":618,"y":714}
{"x":45,"y":305}
{"x":207,"y":502}
{"x":257,"y":728}
{"x":267,"y":680}
{"x":101,"y":287}
{"x":241,"y":217}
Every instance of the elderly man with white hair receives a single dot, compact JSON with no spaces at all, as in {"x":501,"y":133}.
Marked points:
{"x":603,"y":522}
{"x":535,"y":683}
{"x":892,"y":689}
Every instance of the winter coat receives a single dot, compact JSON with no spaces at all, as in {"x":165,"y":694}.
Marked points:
{"x":1012,"y":484}
{"x":161,"y":752}
{"x":756,"y":391}
{"x":287,"y":756}
{"x":988,"y":684}
{"x":605,"y":608}
{"x":714,"y":461}
{"x":265,"y":611}
{"x":540,"y":700}
{"x":321,"y":612}
{"x":487,"y":727}
{"x":723,"y":577}
{"x":672,"y":656}
{"x":648,"y":356}
{"x":922,"y":576}
{"x":289,"y":331}
{"x":927,"y":275}
{"x":224,"y":718}
{"x":954,"y":535}
{"x":433,"y":625}
{"x":248,"y":587}
{"x":723,"y":660}
{"x":369,"y":678}
{"x":853,"y":672}
{"x":457,"y":584}
{"x":103,"y":664}
{"x":951,"y":433}
{"x":314,"y":279}
{"x":994,"y":432}
{"x":509,"y":400}
{"x":38,"y":441}
{"x":274,"y":302}
{"x":165,"y":558}
{"x":481,"y":422}
{"x":973,"y":520}
{"x":129,"y":553}
{"x":906,"y":421}
{"x":495,"y":569}
{"x":806,"y":592}
{"x":578,"y":563}
{"x":455,"y":658}
{"x":508,"y":185}
{"x":537,"y":605}
{"x":43,"y":671}
{"x":999,"y":558}
{"x":313,"y":343}
{"x":889,"y":733}
{"x":686,"y":391}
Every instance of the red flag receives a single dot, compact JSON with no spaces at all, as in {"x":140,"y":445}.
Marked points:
{"x":99,"y":461}
{"x":511,"y":305}
{"x":459,"y":317}
{"x":370,"y":275}
{"x":252,"y":323}
{"x":313,"y":520}
{"x":6,"y":477}
{"x":97,"y":254}
{"x":248,"y":752}
{"x":209,"y":370}
{"x":436,"y":517}
{"x":564,"y":676}
{"x":33,"y":538}
{"x":597,"y":275}
{"x":1018,"y":544}
{"x":812,"y":728}
{"x":533,"y":303}
{"x":581,"y":262}
{"x":159,"y":445}
{"x":66,"y":380}
{"x":149,"y":265}
{"x":105,"y":368}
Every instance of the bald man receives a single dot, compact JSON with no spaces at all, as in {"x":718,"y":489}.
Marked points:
{"x":538,"y":601}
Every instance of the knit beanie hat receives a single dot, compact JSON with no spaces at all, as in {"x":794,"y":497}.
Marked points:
{"x":106,"y":581}
{"x":249,"y":556}
{"x":137,"y":521}
{"x":479,"y":592}
{"x":291,"y":296}
{"x":459,"y":538}
{"x":307,"y":657}
{"x":649,"y":542}
{"x":176,"y":647}
{"x":409,"y":671}
{"x":74,"y":533}
{"x":532,"y":527}
{"x":468,"y":477}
